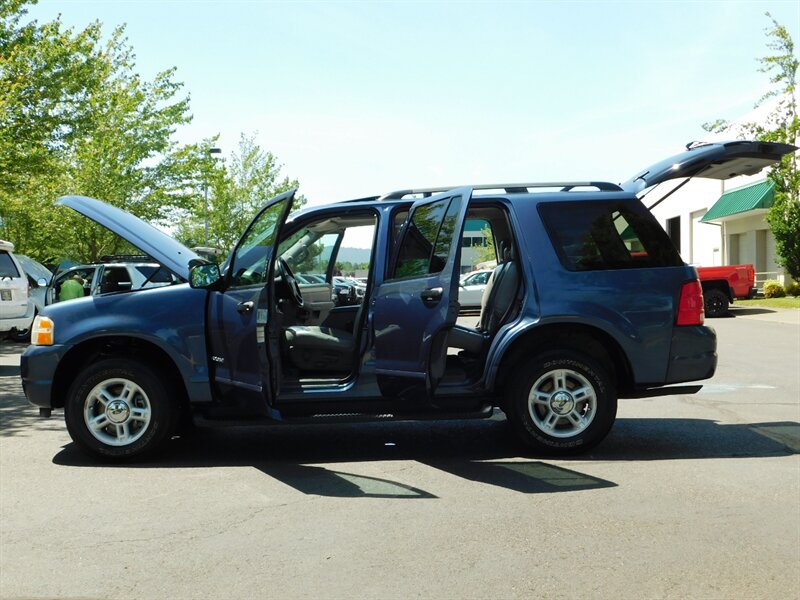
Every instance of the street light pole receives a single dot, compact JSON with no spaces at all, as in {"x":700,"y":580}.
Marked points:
{"x":212,"y":150}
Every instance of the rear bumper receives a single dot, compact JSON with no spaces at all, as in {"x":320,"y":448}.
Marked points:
{"x":19,"y":323}
{"x":37,"y":369}
{"x":693,"y":354}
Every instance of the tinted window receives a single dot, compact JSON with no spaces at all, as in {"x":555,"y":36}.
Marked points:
{"x":592,"y":236}
{"x":428,"y":237}
{"x":7,"y":266}
{"x":445,"y":238}
{"x":155,"y":274}
{"x":249,"y":266}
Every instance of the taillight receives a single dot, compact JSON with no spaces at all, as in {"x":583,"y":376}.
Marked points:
{"x":690,"y":306}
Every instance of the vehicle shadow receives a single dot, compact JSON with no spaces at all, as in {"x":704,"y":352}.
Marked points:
{"x":743,"y":311}
{"x":482,"y":451}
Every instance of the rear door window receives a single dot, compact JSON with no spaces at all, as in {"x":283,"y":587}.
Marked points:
{"x":7,"y":266}
{"x":426,"y":244}
{"x":593,"y":236}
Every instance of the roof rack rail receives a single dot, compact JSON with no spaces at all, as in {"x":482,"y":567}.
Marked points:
{"x":112,"y":258}
{"x":508,"y":188}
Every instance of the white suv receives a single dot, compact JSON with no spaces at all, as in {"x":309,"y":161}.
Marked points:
{"x":15,"y":310}
{"x":116,"y":274}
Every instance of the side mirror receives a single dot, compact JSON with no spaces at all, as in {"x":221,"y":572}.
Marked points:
{"x":204,"y":276}
{"x":41,"y":282}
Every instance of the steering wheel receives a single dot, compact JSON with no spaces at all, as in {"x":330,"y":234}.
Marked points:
{"x":291,"y":283}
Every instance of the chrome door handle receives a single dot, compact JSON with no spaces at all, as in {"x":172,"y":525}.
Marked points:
{"x":245,"y":307}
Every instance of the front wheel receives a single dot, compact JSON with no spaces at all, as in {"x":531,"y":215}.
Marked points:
{"x":119,"y":409}
{"x":561,"y":402}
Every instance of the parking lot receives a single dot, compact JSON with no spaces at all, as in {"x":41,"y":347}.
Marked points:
{"x":689,"y":496}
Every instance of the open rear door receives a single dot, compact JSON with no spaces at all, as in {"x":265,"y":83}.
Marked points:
{"x":713,"y":161}
{"x":417,"y":304}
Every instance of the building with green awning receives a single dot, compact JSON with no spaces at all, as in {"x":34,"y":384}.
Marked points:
{"x":735,"y":203}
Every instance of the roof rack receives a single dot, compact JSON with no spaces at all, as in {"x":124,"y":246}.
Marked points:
{"x":508,"y":188}
{"x":112,"y":258}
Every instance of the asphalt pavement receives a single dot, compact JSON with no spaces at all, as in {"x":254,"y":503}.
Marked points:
{"x":692,"y":496}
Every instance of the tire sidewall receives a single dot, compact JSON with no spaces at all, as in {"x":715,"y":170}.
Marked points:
{"x":530,"y":372}
{"x":716,"y":303}
{"x":163,"y":411}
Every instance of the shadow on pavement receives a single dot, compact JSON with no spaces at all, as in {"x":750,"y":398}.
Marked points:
{"x":481,"y":451}
{"x":743,"y":311}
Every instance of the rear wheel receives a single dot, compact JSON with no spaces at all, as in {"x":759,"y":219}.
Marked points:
{"x":561,"y":402}
{"x":715,"y":303}
{"x":23,"y":335}
{"x":120,"y":409}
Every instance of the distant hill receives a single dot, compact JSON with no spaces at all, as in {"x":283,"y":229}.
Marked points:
{"x":354,"y":255}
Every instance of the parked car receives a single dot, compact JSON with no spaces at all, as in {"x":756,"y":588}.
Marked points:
{"x":112,"y":274}
{"x":472,"y":286}
{"x":723,"y":284}
{"x":590,"y":302}
{"x":347,"y":291}
{"x":39,"y":278}
{"x":16,"y":312}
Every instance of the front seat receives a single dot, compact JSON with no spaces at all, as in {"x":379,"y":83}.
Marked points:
{"x":322,"y":348}
{"x":496,"y":303}
{"x":313,"y":348}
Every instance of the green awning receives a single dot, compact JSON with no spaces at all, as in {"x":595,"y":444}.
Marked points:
{"x":741,"y":200}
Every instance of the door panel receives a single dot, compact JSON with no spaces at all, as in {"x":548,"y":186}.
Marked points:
{"x":243,"y":335}
{"x":413,"y":309}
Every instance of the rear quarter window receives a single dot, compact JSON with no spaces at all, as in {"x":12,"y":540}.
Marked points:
{"x":596,"y":236}
{"x":7,"y":266}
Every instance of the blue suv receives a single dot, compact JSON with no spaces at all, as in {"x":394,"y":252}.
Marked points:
{"x":590,"y":302}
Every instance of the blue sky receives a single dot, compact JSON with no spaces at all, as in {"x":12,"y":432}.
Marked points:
{"x":359,"y":98}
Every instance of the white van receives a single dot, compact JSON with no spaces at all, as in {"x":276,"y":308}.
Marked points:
{"x":16,"y":312}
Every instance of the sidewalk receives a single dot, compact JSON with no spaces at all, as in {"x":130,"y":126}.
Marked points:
{"x":790,"y":316}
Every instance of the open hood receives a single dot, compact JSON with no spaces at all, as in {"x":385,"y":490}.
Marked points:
{"x":715,"y":161}
{"x":161,"y":247}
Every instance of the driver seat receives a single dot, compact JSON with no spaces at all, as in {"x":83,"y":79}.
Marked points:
{"x":322,"y":348}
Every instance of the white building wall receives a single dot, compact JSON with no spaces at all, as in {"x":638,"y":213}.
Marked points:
{"x":707,"y":244}
{"x":701,"y":243}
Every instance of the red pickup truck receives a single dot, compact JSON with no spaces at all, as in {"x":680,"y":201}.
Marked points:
{"x":721,"y":285}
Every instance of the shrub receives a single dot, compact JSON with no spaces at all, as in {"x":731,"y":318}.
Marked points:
{"x":792,"y":289}
{"x":773,"y":289}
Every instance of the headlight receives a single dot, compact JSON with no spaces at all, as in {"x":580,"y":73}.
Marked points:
{"x":42,"y":331}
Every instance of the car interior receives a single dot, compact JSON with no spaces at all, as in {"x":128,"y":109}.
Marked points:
{"x":322,"y":342}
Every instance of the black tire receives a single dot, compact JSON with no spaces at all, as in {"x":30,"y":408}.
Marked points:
{"x":715,"y":303}
{"x":575,"y":396}
{"x":138,"y":417}
{"x":20,"y":336}
{"x":23,"y":336}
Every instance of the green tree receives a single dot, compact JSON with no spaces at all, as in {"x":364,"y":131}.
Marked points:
{"x":78,"y":119}
{"x":781,"y":125}
{"x":46,"y":73}
{"x":237,"y":188}
{"x":487,"y":252}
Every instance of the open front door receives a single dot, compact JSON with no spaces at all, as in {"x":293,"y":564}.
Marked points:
{"x":417,"y":304}
{"x":243,"y":333}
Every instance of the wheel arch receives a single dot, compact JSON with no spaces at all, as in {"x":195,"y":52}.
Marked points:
{"x":585,"y":339}
{"x":130,"y":347}
{"x":718,"y":284}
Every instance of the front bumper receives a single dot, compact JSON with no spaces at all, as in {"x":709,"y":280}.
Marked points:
{"x":693,"y":355}
{"x":38,"y":368}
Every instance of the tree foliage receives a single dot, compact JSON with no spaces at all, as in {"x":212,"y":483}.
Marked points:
{"x":782,"y":124}
{"x":76,"y":118}
{"x":237,"y":188}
